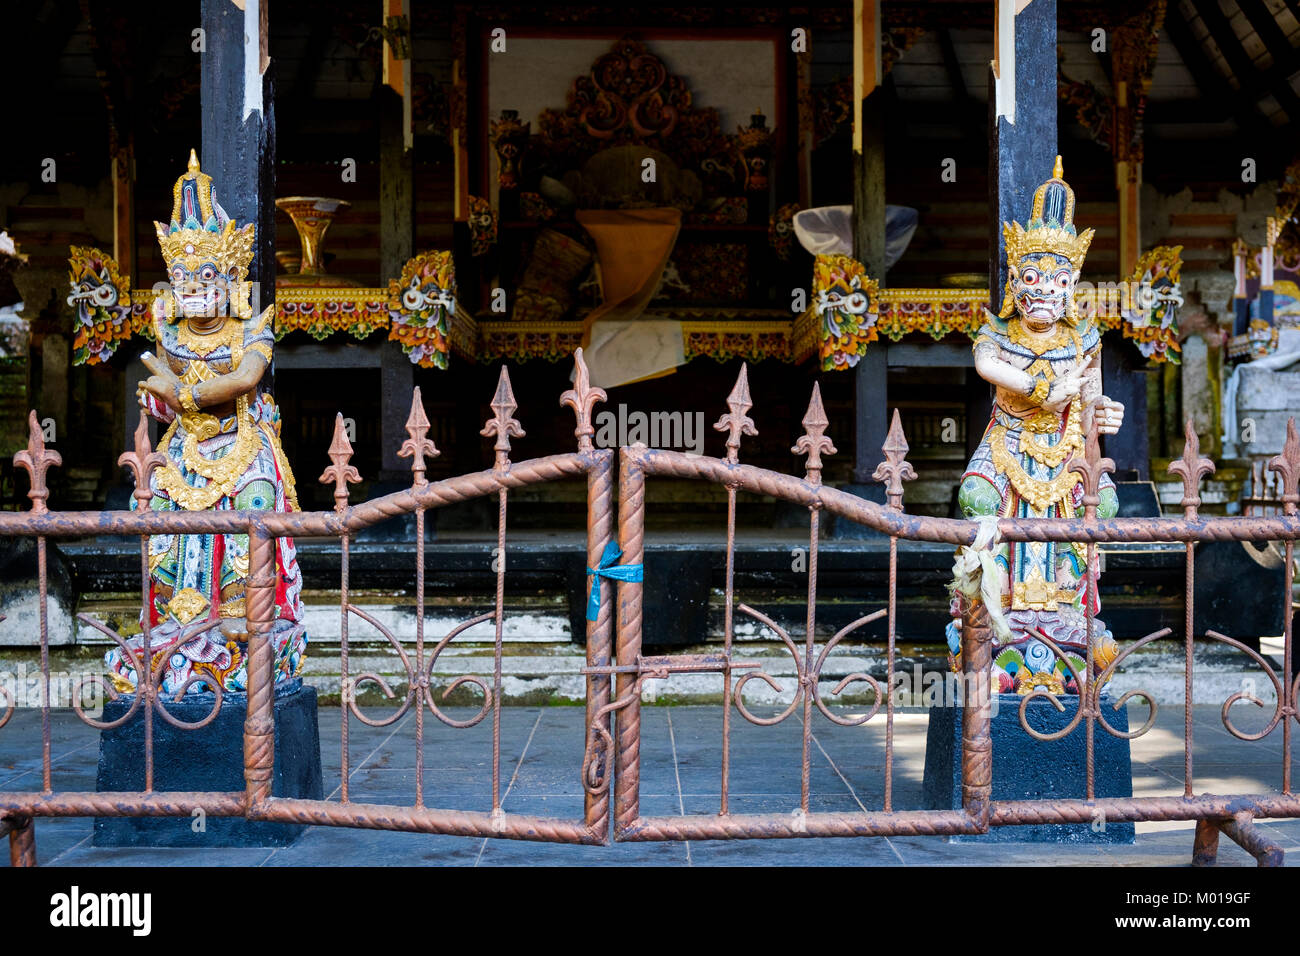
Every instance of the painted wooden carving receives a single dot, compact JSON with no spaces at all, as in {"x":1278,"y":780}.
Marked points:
{"x":221,"y":450}
{"x":1044,"y":359}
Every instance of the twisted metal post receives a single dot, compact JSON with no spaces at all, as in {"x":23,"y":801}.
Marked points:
{"x":977,"y":716}
{"x":259,"y":724}
{"x":22,"y":840}
{"x":631,"y":540}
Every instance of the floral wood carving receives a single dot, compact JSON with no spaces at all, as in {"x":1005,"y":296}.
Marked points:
{"x":630,"y":97}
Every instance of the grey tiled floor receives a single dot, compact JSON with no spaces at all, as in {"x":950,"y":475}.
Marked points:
{"x":542,"y":750}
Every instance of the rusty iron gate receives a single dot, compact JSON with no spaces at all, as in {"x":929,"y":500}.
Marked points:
{"x":616,"y":669}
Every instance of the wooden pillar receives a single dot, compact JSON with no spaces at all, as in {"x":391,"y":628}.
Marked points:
{"x":1133,"y":60}
{"x":396,"y":235}
{"x":123,"y":173}
{"x":807,"y":128}
{"x":1128,"y":169}
{"x":1128,"y":183}
{"x":1022,"y":120}
{"x":1123,"y":369}
{"x":870,"y":393}
{"x":459,"y":93}
{"x":238,"y":104}
{"x":124,"y":208}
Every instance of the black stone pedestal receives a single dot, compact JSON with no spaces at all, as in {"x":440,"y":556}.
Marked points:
{"x":208,"y":759}
{"x":1025,"y":768}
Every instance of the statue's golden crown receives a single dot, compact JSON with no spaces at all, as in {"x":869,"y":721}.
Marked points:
{"x":200,"y":231}
{"x":1051,"y":225}
{"x":1050,"y":231}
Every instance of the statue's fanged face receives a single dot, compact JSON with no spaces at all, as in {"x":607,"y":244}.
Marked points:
{"x":200,"y":288}
{"x":1042,"y":286}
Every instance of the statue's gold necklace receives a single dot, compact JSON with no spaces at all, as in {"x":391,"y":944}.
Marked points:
{"x":1060,"y":336}
{"x":222,"y":473}
{"x":202,"y":343}
{"x":1038,"y":492}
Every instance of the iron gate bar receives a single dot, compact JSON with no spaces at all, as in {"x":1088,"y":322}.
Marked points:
{"x":611,"y":758}
{"x":956,"y":531}
{"x":979,"y":812}
{"x":264,"y":528}
{"x":299,"y":524}
{"x":170,"y":803}
{"x":1205,"y":806}
{"x":1242,"y":830}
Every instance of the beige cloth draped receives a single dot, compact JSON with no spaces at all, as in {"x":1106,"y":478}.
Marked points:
{"x":621,"y":342}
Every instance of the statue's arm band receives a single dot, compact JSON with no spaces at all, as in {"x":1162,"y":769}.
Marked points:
{"x":189,"y":399}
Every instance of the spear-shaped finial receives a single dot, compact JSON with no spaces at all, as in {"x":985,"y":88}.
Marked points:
{"x":142,"y":461}
{"x":418,"y":445}
{"x":895,"y":469}
{"x":1191,"y":467}
{"x":1287,"y":468}
{"x":813,"y":442}
{"x":737,"y":421}
{"x":37,"y":459}
{"x":1092,"y":466}
{"x":582,"y":398}
{"x":341,"y":473}
{"x":503,"y":424}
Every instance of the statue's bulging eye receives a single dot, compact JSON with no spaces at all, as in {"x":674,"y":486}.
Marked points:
{"x":856,"y":302}
{"x":1062,"y":280}
{"x":178,"y":274}
{"x":1029,"y":277}
{"x":208,"y":273}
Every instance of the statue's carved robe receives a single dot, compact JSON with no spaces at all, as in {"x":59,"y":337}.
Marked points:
{"x":221,"y":458}
{"x":1020,"y":470}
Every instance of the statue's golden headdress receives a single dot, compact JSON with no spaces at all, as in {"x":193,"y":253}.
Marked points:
{"x":200,"y":231}
{"x":1050,"y":230}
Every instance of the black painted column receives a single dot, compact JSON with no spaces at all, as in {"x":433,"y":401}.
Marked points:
{"x":238,"y":146}
{"x":1022,"y":118}
{"x":396,"y":246}
{"x":871,"y":396}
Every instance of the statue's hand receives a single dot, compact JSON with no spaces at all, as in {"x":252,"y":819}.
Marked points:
{"x":1064,"y":390}
{"x":166,"y":391}
{"x":163,"y":384}
{"x":1107,"y":416}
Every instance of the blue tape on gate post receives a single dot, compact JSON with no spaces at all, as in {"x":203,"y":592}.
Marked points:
{"x":608,"y":569}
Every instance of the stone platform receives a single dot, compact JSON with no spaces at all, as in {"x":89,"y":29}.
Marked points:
{"x":209,"y":758}
{"x":1025,"y":768}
